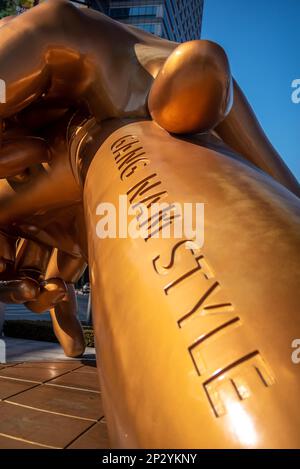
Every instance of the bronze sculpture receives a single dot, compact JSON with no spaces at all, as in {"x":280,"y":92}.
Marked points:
{"x":194,"y":344}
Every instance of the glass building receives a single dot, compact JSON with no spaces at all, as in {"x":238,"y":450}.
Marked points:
{"x":177,"y":20}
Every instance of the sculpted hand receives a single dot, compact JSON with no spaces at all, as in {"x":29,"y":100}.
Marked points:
{"x":32,"y":272}
{"x":40,"y":198}
{"x":57,"y":70}
{"x":83,"y":60}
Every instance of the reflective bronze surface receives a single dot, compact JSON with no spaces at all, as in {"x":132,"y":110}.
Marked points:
{"x":206,"y":333}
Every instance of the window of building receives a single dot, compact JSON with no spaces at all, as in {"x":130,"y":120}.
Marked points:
{"x":133,"y":11}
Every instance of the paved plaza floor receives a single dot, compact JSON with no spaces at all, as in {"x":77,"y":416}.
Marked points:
{"x":49,"y":401}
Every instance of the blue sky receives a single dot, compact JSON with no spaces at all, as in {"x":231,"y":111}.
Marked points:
{"x":262,"y":40}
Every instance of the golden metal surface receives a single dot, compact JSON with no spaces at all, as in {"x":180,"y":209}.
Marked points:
{"x":197,"y":342}
{"x":206,"y":334}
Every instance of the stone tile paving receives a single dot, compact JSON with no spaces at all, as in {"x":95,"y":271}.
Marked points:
{"x":56,"y":404}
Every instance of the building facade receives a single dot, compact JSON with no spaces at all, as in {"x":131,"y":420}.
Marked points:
{"x":177,"y":20}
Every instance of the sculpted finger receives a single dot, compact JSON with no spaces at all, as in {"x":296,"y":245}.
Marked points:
{"x":7,"y":250}
{"x":18,"y":291}
{"x":52,"y":291}
{"x":32,"y":259}
{"x":65,"y":266}
{"x":67,"y":326}
{"x":18,"y":155}
{"x":25,"y":264}
{"x":62,"y":271}
{"x":47,"y":187}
